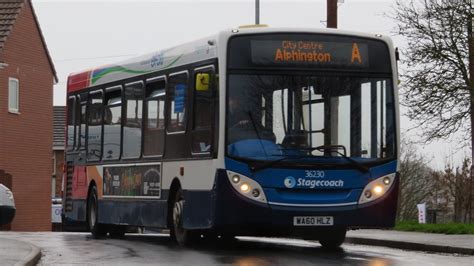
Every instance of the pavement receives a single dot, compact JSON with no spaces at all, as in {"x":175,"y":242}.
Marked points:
{"x":15,"y":252}
{"x":460,"y":244}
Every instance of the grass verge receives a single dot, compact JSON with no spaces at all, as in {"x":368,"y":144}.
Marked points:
{"x":449,"y":228}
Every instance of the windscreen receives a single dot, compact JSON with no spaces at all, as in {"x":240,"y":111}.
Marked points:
{"x":323,"y":110}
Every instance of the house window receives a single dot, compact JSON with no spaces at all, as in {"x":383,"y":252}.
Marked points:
{"x":13,"y":95}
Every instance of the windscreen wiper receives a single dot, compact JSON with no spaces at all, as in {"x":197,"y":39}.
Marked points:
{"x":254,"y":125}
{"x":336,"y":148}
{"x":271,"y":163}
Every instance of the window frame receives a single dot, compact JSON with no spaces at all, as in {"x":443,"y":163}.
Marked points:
{"x":72,"y":109}
{"x":211,"y":69}
{"x":145,"y":114}
{"x":106,"y":91}
{"x":91,"y":94}
{"x":82,"y":99}
{"x":12,"y":109}
{"x":168,"y":104}
{"x":124,"y":119}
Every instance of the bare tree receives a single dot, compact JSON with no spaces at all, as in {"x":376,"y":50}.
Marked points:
{"x":416,"y":182}
{"x":436,"y":77}
{"x":454,"y":192}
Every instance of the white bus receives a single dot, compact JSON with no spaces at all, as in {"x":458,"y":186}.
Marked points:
{"x":253,"y":131}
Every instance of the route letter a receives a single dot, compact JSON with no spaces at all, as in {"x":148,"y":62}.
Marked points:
{"x":356,"y":53}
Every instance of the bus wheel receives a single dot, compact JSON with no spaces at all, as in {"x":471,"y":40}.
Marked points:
{"x":180,"y":235}
{"x":333,"y":239}
{"x":227,"y":238}
{"x":117,"y":231}
{"x":98,"y":230}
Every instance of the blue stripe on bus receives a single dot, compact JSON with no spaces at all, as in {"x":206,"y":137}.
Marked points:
{"x":239,"y":215}
{"x":312,"y":186}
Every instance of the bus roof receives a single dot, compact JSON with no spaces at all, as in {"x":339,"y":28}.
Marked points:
{"x":202,"y":49}
{"x":180,"y":55}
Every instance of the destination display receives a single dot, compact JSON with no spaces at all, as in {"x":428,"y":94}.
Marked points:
{"x":303,"y":52}
{"x":314,"y":52}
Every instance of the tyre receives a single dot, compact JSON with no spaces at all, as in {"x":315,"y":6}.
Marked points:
{"x":117,"y":231}
{"x":180,"y":235}
{"x":226,"y":239}
{"x":97,"y":229}
{"x":333,"y":239}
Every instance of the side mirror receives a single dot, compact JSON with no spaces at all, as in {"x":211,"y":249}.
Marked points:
{"x":202,"y":81}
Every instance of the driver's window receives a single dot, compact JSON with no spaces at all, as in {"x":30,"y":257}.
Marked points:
{"x":280,"y":111}
{"x":341,"y":121}
{"x":313,"y":116}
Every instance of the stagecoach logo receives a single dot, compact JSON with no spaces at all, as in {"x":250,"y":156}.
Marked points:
{"x":157,"y":60}
{"x":290,"y":182}
{"x":311,"y":182}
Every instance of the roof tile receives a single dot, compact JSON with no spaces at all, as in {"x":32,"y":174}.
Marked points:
{"x":9,"y":10}
{"x":59,"y":123}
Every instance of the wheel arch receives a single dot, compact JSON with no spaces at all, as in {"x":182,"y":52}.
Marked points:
{"x":175,"y":186}
{"x":89,"y":190}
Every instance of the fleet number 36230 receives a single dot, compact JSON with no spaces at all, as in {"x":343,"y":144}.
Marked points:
{"x":314,"y":174}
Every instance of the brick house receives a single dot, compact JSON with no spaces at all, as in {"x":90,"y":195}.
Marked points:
{"x":27,"y":76}
{"x":59,"y":120}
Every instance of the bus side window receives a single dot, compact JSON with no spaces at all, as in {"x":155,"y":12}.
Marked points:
{"x":77,"y":123}
{"x":112,"y":123}
{"x":82,"y":122}
{"x":203,"y":110}
{"x":132,"y":128}
{"x":94,"y":139}
{"x":176,"y":102}
{"x":71,"y":105}
{"x":154,"y":117}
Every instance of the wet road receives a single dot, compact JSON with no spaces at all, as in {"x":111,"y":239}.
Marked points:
{"x":81,"y":248}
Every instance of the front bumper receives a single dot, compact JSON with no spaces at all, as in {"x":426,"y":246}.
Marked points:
{"x":7,"y":213}
{"x":237,"y":214}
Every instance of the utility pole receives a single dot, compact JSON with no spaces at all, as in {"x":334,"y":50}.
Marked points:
{"x":332,"y":13}
{"x":257,"y":12}
{"x":470,"y":25}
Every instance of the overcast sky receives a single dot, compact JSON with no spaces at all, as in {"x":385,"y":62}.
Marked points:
{"x":82,"y":34}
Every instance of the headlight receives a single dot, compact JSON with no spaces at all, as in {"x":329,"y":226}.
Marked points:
{"x":246,"y":187}
{"x":377,"y":188}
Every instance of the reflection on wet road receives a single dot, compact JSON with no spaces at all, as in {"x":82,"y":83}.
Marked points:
{"x":81,"y":248}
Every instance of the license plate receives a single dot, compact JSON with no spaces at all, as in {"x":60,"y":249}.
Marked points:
{"x":313,"y":220}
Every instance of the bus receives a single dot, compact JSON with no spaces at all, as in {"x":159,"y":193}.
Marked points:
{"x":251,"y":132}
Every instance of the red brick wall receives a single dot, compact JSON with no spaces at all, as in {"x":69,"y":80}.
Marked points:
{"x":26,"y":138}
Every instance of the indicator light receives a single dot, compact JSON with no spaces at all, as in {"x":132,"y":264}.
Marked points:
{"x":246,"y":186}
{"x":368,"y":194}
{"x":256,"y":192}
{"x":377,"y":188}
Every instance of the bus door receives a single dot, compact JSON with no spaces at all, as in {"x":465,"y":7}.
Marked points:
{"x":80,"y":174}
